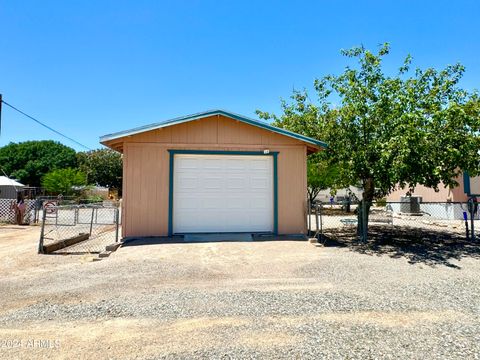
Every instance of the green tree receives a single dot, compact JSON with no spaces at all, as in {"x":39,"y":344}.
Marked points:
{"x":63,"y":181}
{"x":320,"y":175}
{"x":103,"y":167}
{"x":415,"y":127}
{"x":29,"y":161}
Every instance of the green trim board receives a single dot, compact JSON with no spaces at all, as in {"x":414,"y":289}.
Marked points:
{"x":174,"y":152}
{"x":170,"y":194}
{"x":467,"y":184}
{"x":275,"y":193}
{"x":201,"y":115}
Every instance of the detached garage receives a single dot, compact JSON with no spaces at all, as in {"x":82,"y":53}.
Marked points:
{"x":213,"y":172}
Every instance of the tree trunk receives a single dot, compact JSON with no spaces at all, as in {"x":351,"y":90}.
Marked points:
{"x":363,"y":209}
{"x":311,"y":198}
{"x":312,"y":195}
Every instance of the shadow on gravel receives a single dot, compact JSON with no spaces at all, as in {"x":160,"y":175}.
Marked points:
{"x":426,"y":246}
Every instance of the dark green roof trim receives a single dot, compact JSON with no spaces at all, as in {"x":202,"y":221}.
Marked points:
{"x":204,"y":114}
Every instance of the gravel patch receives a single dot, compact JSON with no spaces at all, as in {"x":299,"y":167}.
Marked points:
{"x":243,"y":301}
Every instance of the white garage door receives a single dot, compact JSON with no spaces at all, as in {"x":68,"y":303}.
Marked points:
{"x":222,"y":193}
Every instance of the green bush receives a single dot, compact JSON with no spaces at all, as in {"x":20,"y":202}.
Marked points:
{"x":63,"y":181}
{"x":381,"y":202}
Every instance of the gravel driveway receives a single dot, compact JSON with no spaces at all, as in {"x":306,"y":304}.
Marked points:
{"x":285,"y":299}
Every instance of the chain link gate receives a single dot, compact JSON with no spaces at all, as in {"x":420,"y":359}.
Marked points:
{"x":79,"y":229}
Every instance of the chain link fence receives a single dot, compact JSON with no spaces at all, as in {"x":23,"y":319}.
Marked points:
{"x":79,"y":229}
{"x":8,"y":215}
{"x":398,"y":221}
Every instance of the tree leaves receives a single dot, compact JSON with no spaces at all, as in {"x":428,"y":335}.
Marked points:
{"x":103,"y":167}
{"x":416,"y":127}
{"x":63,"y":181}
{"x":28,"y":161}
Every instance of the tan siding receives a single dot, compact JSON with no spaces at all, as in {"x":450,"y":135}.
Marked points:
{"x":146,"y":171}
{"x":291,"y":190}
{"x":146,"y":192}
{"x":124,"y":191}
{"x":179,"y":133}
{"x":456,"y":194}
{"x":213,"y":130}
{"x":236,"y":132}
{"x":203,"y":131}
{"x":270,"y":138}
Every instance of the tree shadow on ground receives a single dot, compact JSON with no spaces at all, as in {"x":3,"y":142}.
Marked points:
{"x":429,"y":247}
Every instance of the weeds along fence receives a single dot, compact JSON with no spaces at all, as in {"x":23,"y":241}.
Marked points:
{"x":79,"y":229}
{"x":429,"y":221}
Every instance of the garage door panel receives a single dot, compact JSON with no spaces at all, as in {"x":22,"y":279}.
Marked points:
{"x":193,"y":220}
{"x":212,"y":182}
{"x":237,"y":203}
{"x":187,"y":164}
{"x":239,"y":219}
{"x":211,"y":203}
{"x":236,"y":183}
{"x":236,"y":164}
{"x":187,"y":183}
{"x":186,"y":203}
{"x":255,"y":219}
{"x":212,"y":164}
{"x":222,"y":193}
{"x":259,"y":183}
{"x":259,"y":203}
{"x":261,"y":164}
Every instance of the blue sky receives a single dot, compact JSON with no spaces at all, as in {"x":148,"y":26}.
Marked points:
{"x":88,"y":68}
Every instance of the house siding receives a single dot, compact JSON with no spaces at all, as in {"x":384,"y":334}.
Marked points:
{"x":443,"y":194}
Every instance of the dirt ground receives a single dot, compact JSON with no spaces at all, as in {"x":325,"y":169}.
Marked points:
{"x":272,"y":299}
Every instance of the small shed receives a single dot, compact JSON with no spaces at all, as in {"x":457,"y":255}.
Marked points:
{"x":213,"y":172}
{"x":9,"y":188}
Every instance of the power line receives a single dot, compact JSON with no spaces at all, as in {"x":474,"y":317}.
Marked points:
{"x":45,"y":126}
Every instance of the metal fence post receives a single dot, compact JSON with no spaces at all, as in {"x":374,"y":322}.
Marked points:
{"x":116,"y":223}
{"x":471,"y":207}
{"x":309,"y":213}
{"x":321,"y":220}
{"x":91,"y":221}
{"x":42,"y":232}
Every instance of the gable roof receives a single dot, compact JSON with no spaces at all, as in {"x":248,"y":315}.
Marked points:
{"x":201,"y":115}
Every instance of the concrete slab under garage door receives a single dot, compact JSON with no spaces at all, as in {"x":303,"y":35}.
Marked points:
{"x":217,"y":237}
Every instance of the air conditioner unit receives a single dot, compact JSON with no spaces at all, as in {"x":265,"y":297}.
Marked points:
{"x":410,"y":204}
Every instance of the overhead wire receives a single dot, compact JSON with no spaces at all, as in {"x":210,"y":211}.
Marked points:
{"x":45,"y":125}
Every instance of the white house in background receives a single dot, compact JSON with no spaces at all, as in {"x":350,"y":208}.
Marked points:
{"x":9,"y":188}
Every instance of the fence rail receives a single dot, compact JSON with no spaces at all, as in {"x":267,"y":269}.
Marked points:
{"x":79,"y":228}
